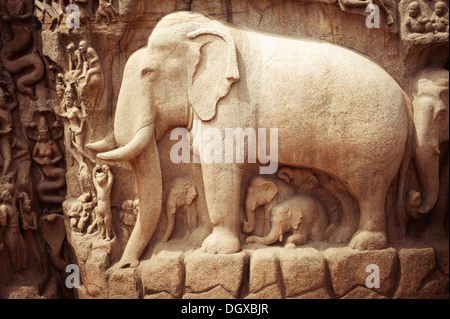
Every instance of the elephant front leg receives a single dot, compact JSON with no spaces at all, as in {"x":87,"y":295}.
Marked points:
{"x":222,"y":184}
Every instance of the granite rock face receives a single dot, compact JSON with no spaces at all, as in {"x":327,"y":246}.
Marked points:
{"x":132,"y":159}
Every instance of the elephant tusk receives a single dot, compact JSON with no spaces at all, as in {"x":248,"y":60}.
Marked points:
{"x":107,"y":144}
{"x":129,"y":151}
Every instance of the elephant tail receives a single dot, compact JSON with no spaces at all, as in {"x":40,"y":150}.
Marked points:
{"x":400,"y":211}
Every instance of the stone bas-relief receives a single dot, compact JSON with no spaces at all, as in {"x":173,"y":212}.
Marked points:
{"x":361,"y":165}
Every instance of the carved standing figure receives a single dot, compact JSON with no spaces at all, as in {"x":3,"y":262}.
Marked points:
{"x":103,"y":181}
{"x":29,"y":226}
{"x":5,"y":129}
{"x":190,"y":69}
{"x":13,"y":240}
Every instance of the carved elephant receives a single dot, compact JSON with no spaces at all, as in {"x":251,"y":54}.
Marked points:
{"x":263,"y":191}
{"x":335,"y":110}
{"x":181,"y":195}
{"x":431,"y":131}
{"x":303,"y":215}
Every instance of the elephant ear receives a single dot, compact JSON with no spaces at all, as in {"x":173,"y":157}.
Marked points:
{"x":213,"y":73}
{"x":295,"y":216}
{"x":270,"y":190}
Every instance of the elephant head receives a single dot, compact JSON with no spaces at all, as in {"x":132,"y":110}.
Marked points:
{"x":261,"y":191}
{"x":431,"y":123}
{"x":181,"y":194}
{"x":163,"y":84}
{"x":284,"y":218}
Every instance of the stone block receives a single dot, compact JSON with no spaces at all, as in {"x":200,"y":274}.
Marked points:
{"x":164,"y":272}
{"x":123,"y":284}
{"x":303,"y":270}
{"x":415,"y":265}
{"x":348,"y":269}
{"x":206,"y":271}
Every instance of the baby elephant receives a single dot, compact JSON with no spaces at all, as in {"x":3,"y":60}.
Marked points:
{"x":303,"y":216}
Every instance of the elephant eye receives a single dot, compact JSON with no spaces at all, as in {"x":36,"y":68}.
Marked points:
{"x":147,"y":71}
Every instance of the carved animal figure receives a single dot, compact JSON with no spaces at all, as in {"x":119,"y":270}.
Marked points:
{"x":431,"y":136}
{"x":319,"y":95}
{"x":302,"y":215}
{"x":18,"y":13}
{"x":263,"y":191}
{"x":181,"y":195}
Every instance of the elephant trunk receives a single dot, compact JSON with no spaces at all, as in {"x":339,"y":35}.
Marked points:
{"x":426,"y":153}
{"x":249,"y":225}
{"x":275,"y":234}
{"x":428,"y":167}
{"x":170,"y":212}
{"x":147,"y":170}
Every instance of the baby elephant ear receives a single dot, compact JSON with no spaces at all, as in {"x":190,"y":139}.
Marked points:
{"x":296,"y":217}
{"x":214,"y":70}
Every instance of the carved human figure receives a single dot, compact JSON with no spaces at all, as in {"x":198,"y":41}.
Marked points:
{"x":416,"y":22}
{"x":13,"y":240}
{"x":75,"y":61}
{"x":60,"y":86}
{"x":302,"y":216}
{"x":29,"y":226}
{"x":47,"y":154}
{"x":90,"y":81}
{"x":76,"y":126}
{"x":5,"y":129}
{"x":103,"y":181}
{"x":440,"y":17}
{"x":128,"y":216}
{"x":106,"y":10}
{"x":181,"y":195}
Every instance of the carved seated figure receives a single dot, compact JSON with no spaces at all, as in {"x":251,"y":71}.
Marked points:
{"x":416,"y":21}
{"x":440,"y":17}
{"x":106,"y":10}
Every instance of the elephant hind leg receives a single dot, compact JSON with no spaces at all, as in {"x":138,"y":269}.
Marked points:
{"x":371,"y":233}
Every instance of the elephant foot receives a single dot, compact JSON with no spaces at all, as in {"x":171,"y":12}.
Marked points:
{"x":342,"y":234}
{"x":368,"y":240}
{"x":128,"y":263}
{"x":221,"y":241}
